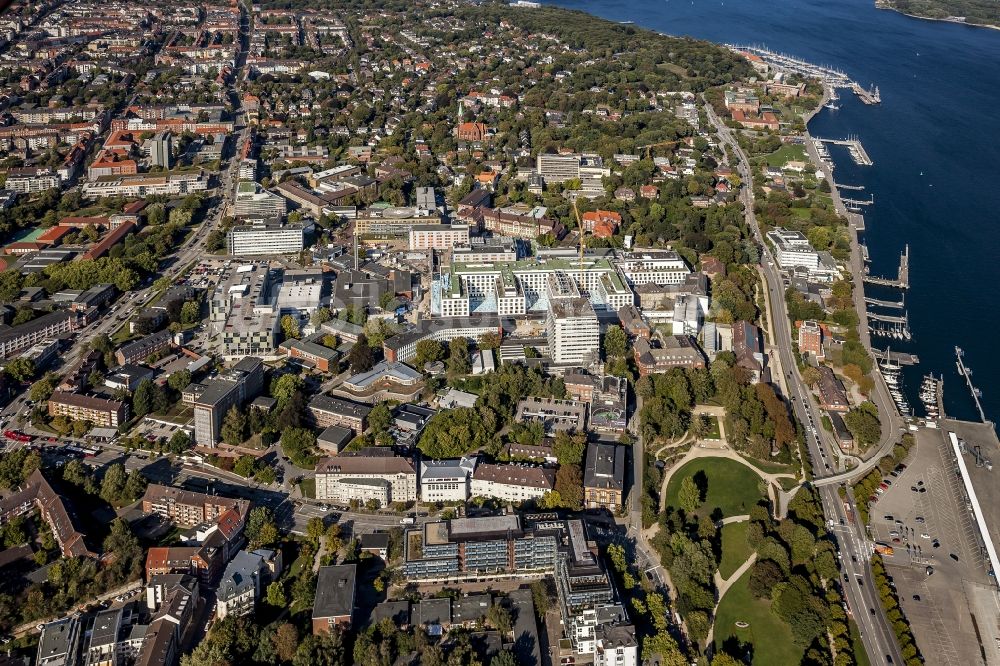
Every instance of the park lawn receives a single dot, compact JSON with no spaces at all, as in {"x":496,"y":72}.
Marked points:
{"x":771,"y":467}
{"x":735,"y":549}
{"x":770,"y":637}
{"x":732,"y":486}
{"x":713,"y":427}
{"x":790,"y":152}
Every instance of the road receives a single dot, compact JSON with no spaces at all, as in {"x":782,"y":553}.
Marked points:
{"x":855,"y":549}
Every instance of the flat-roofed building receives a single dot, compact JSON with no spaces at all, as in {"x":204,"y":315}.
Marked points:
{"x":59,"y":644}
{"x":604,"y":476}
{"x":326,"y":411}
{"x":573,"y":331}
{"x":267,"y":236}
{"x":438,"y":236}
{"x":335,"y":594}
{"x":215,"y":397}
{"x":47,"y":326}
{"x":254,"y":201}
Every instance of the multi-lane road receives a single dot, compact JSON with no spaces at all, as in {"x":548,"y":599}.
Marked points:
{"x":855,"y":549}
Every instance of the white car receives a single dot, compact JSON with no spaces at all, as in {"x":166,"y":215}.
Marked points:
{"x":925,"y":535}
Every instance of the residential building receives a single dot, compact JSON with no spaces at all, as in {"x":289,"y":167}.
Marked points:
{"x":188,"y":508}
{"x":161,"y":149}
{"x":29,"y":180}
{"x":335,"y":594}
{"x":79,"y":407}
{"x":616,"y":645}
{"x":266,"y":236}
{"x":325,"y":411}
{"x":254,"y":201}
{"x":811,"y":339}
{"x":139,"y":350}
{"x":240,"y":585}
{"x":604,"y":476}
{"x":59,"y":644}
{"x":142,"y":185}
{"x":438,"y":236}
{"x":512,"y":483}
{"x":215,"y":397}
{"x":446,"y":480}
{"x":385,"y":479}
{"x":104,"y":646}
{"x":553,"y":414}
{"x":47,"y":326}
{"x":202,"y":562}
{"x":55,"y":510}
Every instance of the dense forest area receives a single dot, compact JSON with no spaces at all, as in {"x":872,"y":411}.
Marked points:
{"x":979,"y":12}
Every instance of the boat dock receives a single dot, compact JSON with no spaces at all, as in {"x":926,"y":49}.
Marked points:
{"x":841,"y":186}
{"x":899,"y":358}
{"x":902,"y":280}
{"x":884,"y":304}
{"x":870,"y":96}
{"x":856,"y":204}
{"x":966,"y":373}
{"x":853,"y":143}
{"x":888,"y":319}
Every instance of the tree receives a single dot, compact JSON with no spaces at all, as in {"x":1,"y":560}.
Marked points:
{"x":863,"y":423}
{"x":261,"y":528}
{"x":689,"y":495}
{"x":113,"y":484}
{"x":499,"y":618}
{"x":245,"y":466}
{"x":42,"y":389}
{"x":320,"y":317}
{"x":428,"y":351}
{"x":458,"y":357}
{"x":233,"y":426}
{"x":284,"y":387}
{"x":179,"y":442}
{"x":179,"y":380}
{"x":190,"y":312}
{"x":615,"y":342}
{"x":361,"y":358}
{"x":764,"y":575}
{"x":142,"y":399}
{"x":21,"y":369}
{"x":489,"y":340}
{"x":380,"y":418}
{"x":569,"y":448}
{"x":276,"y":595}
{"x":290,"y":327}
{"x":298,"y":444}
{"x":504,"y":658}
{"x":569,"y":485}
{"x":286,"y":641}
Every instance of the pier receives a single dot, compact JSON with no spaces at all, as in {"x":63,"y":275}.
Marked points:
{"x":967,"y":374}
{"x":832,"y":77}
{"x":871,"y":96}
{"x":853,"y":143}
{"x":902,"y":280}
{"x":841,"y":186}
{"x":857,"y":203}
{"x":883,"y":304}
{"x":888,"y":319}
{"x":899,"y":358}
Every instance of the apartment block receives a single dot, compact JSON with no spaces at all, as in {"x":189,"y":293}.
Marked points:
{"x":79,"y":407}
{"x":215,"y":397}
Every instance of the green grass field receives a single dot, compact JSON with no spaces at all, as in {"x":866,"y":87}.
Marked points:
{"x":732,"y":486}
{"x":860,"y":656}
{"x":770,"y":637}
{"x":735,"y":549}
{"x":790,"y":152}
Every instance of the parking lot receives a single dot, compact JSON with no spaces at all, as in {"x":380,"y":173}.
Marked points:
{"x":948,"y":610}
{"x":153,"y":429}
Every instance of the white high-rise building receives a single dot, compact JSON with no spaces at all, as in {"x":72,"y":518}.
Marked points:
{"x":573,"y":331}
{"x":266,"y":237}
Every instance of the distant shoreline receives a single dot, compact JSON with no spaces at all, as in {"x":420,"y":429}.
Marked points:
{"x":885,"y":4}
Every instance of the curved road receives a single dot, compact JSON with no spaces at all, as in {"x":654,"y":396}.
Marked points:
{"x":855,"y":550}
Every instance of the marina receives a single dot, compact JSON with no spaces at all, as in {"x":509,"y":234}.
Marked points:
{"x":883,"y":304}
{"x":899,"y":358}
{"x":902,"y":280}
{"x":853,"y":143}
{"x":892,"y":374}
{"x":966,"y":373}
